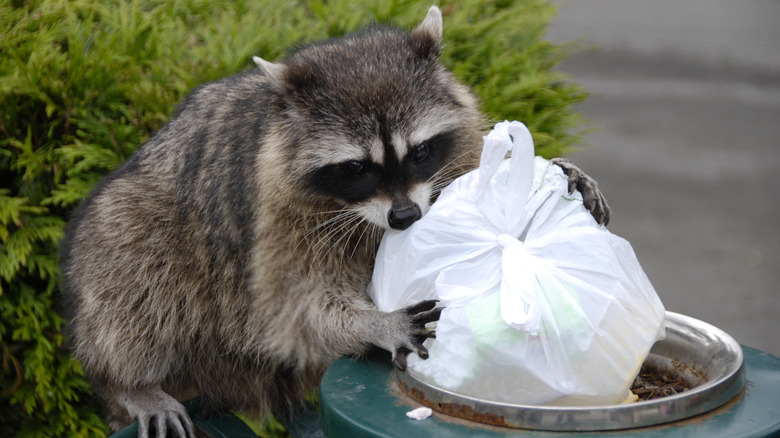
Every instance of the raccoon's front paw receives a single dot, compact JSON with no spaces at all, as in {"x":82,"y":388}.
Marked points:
{"x":158,"y":411}
{"x":592,"y":198}
{"x":410,"y":331}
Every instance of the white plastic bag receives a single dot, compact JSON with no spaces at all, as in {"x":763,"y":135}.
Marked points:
{"x":542,"y":305}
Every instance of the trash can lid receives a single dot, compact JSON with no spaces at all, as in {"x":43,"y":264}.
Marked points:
{"x":360,"y":398}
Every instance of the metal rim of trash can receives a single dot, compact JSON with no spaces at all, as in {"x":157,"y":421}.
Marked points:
{"x":709,"y":352}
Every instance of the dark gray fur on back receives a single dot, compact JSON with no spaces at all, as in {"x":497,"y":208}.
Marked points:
{"x":156,"y":260}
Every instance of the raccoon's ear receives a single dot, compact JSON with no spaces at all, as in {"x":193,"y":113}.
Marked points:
{"x":426,"y":37}
{"x":272,"y":70}
{"x":286,"y":77}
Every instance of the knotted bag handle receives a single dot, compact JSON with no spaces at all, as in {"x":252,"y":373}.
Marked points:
{"x":513,"y":188}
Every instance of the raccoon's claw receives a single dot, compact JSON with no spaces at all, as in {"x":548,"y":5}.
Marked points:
{"x":418,"y":315}
{"x":424,"y":312}
{"x":592,"y":198}
{"x":158,"y":411}
{"x":179,"y":426}
{"x":400,"y":353}
{"x":399,"y":358}
{"x":422,"y":306}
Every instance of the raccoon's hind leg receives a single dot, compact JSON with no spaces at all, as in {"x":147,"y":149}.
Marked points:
{"x":592,"y":197}
{"x":153,"y":408}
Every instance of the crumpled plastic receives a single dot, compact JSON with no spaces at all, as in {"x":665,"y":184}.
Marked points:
{"x":420,"y":413}
{"x":542,"y":304}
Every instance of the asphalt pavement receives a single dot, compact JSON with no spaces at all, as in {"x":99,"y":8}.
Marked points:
{"x":685,"y":108}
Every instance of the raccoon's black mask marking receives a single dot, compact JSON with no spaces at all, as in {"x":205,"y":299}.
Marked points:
{"x":358,"y":180}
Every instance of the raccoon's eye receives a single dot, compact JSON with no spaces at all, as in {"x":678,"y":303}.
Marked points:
{"x":354,"y":167}
{"x":420,"y":153}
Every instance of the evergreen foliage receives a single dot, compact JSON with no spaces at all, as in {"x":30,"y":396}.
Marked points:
{"x":85,"y":83}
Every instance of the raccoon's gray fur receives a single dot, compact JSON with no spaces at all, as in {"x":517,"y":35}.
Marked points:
{"x":229,"y":257}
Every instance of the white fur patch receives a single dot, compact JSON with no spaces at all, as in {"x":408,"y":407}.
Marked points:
{"x":377,"y":151}
{"x":437,"y":120}
{"x":335,"y":150}
{"x":421,"y":194}
{"x":375,"y":211}
{"x":400,"y":145}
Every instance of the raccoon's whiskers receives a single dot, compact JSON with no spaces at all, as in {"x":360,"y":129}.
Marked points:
{"x":357,"y":244}
{"x":444,"y":176}
{"x":341,"y":216}
{"x":456,"y":165}
{"x":354,"y":224}
{"x":344,"y":224}
{"x":320,"y":213}
{"x":444,"y":181}
{"x":323,"y":240}
{"x":376,"y":237}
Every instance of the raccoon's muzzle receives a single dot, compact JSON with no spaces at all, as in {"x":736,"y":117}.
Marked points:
{"x":401,"y":218}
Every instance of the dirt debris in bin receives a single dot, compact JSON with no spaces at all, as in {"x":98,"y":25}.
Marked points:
{"x":653,"y":383}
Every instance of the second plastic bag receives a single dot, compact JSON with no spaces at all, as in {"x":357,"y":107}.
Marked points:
{"x":543,"y":305}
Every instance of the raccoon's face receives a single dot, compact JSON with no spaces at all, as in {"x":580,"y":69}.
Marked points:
{"x":378,"y":124}
{"x":391,"y":182}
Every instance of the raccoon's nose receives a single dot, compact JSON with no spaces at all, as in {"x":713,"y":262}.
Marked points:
{"x":403,"y":218}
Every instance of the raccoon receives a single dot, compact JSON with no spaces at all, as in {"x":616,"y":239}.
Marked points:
{"x":229,"y":257}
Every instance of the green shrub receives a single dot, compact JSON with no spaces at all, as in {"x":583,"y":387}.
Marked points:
{"x":85,"y":83}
